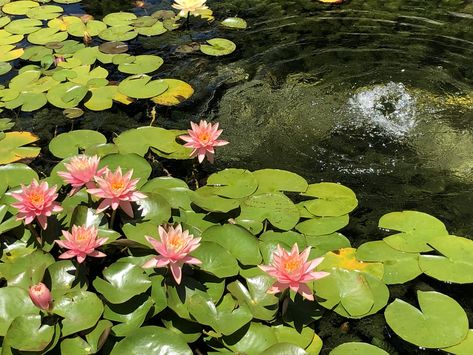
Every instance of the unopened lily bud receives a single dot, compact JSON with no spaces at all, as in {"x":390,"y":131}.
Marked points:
{"x":41,"y":296}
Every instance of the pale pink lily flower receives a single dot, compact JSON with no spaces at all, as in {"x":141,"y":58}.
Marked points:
{"x":59,"y":59}
{"x":292,"y":270}
{"x":81,"y":170}
{"x":202,"y":139}
{"x":36,"y":201}
{"x":40,"y":296}
{"x":174,"y":247}
{"x":189,"y":6}
{"x":82,"y":242}
{"x":117,"y":190}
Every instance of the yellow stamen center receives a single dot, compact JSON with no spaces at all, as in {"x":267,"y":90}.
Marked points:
{"x":117,"y":185}
{"x":37,"y":199}
{"x":292,"y":264}
{"x":204,"y":137}
{"x":81,"y":236}
{"x":176,"y":242}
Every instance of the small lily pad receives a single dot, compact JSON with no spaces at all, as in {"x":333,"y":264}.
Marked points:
{"x":118,"y":33}
{"x":142,"y":64}
{"x":113,"y":47}
{"x":235,"y":22}
{"x":218,"y":47}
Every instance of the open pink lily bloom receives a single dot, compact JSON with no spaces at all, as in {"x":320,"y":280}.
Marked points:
{"x":41,"y":296}
{"x":202,"y":139}
{"x":292,"y":270}
{"x":81,"y":170}
{"x":36,"y":201}
{"x":82,"y":242}
{"x":174,"y":247}
{"x":117,"y":190}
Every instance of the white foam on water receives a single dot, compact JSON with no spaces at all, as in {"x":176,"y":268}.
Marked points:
{"x":389,"y":107}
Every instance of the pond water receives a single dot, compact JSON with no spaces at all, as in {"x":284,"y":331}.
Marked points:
{"x":377,"y":95}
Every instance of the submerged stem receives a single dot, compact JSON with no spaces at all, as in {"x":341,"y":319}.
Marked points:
{"x":112,"y":218}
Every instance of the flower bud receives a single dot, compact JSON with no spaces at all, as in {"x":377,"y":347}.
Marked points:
{"x":41,"y":296}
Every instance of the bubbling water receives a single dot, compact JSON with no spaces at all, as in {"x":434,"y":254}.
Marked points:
{"x":389,"y":108}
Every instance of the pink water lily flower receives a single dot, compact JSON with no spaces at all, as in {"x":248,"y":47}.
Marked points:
{"x":36,"y":201}
{"x":174,"y":247}
{"x":41,"y":296}
{"x":292,"y":270}
{"x":81,"y":242}
{"x":202,"y":139}
{"x":117,"y":190}
{"x":81,"y":170}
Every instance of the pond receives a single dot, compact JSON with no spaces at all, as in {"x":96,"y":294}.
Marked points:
{"x":374,"y":94}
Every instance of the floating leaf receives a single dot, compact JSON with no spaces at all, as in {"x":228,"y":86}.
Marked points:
{"x":102,"y":98}
{"x":357,"y":348}
{"x":216,"y":260}
{"x":177,"y":92}
{"x":73,"y":112}
{"x":12,"y":147}
{"x":142,"y":64}
{"x":26,"y":333}
{"x":119,"y":18}
{"x":14,"y":302}
{"x":154,"y":30}
{"x":5,"y":68}
{"x":322,"y":225}
{"x":253,"y":339}
{"x":234,"y":22}
{"x":455,"y":264}
{"x":46,"y":35}
{"x":218,"y":47}
{"x":332,"y":199}
{"x":10,"y":52}
{"x":118,"y":33}
{"x":441,"y":321}
{"x":23,"y":26}
{"x":19,"y":7}
{"x":44,"y":12}
{"x":418,"y":229}
{"x":113,"y":47}
{"x":464,"y":348}
{"x":69,"y":144}
{"x":399,"y":267}
{"x":273,"y":180}
{"x":66,"y":95}
{"x":36,"y":53}
{"x":142,"y":87}
{"x":8,"y":38}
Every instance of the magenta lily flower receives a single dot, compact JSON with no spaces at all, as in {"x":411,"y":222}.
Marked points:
{"x":36,"y":201}
{"x":41,"y":296}
{"x":292,"y":270}
{"x":117,"y":190}
{"x":202,"y":139}
{"x":82,"y":242}
{"x":81,"y":170}
{"x":174,"y":247}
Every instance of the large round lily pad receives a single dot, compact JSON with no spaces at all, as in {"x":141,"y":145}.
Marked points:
{"x":232,"y":183}
{"x":441,"y":321}
{"x":332,"y":199}
{"x":417,"y":230}
{"x":142,"y":87}
{"x":69,"y":144}
{"x":66,"y":95}
{"x":19,"y":7}
{"x":142,"y":64}
{"x":273,"y":180}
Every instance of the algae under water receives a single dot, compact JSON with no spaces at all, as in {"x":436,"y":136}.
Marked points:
{"x":377,"y":95}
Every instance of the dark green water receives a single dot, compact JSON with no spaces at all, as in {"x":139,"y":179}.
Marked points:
{"x":372,"y":94}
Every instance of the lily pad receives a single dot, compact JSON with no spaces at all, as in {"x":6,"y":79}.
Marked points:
{"x":119,"y":19}
{"x":14,"y":302}
{"x":216,"y":260}
{"x":322,"y":225}
{"x":27,"y":333}
{"x":8,"y":38}
{"x":5,"y":67}
{"x":12,"y":147}
{"x":45,"y":12}
{"x":19,"y":7}
{"x":218,"y":47}
{"x":9,"y":52}
{"x":118,"y":33}
{"x":357,"y":348}
{"x":232,"y":183}
{"x":23,"y":26}
{"x":273,"y":180}
{"x":417,"y":230}
{"x":69,"y":144}
{"x":332,"y":199}
{"x":439,"y":323}
{"x":66,"y":95}
{"x":142,"y":64}
{"x":113,"y":47}
{"x":142,"y":87}
{"x":456,"y":262}
{"x":46,"y":35}
{"x":154,"y":30}
{"x":235,"y":23}
{"x":177,"y":92}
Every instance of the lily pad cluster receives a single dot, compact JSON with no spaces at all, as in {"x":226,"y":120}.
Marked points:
{"x":64,"y":58}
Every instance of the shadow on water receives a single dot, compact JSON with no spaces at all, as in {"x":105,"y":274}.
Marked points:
{"x":375,"y":94}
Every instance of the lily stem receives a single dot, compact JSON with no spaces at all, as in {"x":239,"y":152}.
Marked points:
{"x":35,"y":234}
{"x":112,"y":218}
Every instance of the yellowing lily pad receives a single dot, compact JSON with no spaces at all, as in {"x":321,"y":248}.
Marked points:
{"x":142,"y":87}
{"x":9,"y":52}
{"x":141,"y":64}
{"x":177,"y":92}
{"x":218,"y":47}
{"x":12,"y":147}
{"x":19,"y":7}
{"x":113,"y":47}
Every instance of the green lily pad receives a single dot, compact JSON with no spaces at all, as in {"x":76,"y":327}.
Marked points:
{"x":273,"y":180}
{"x":5,"y":67}
{"x":232,"y":183}
{"x":277,"y":208}
{"x":23,"y":26}
{"x":152,"y":340}
{"x":175,"y":191}
{"x":69,"y":144}
{"x":28,"y":101}
{"x":456,"y":263}
{"x":66,"y":95}
{"x":332,"y":199}
{"x":71,"y":307}
{"x":399,"y":267}
{"x":12,"y":147}
{"x":142,"y":64}
{"x":19,"y":7}
{"x":122,"y":282}
{"x":418,"y":229}
{"x":357,"y":348}
{"x":142,"y":87}
{"x":439,"y":323}
{"x":4,"y":20}
{"x":118,"y":33}
{"x":14,"y":302}
{"x":46,"y":35}
{"x":154,"y":30}
{"x":178,"y":91}
{"x":73,"y":112}
{"x":238,"y":241}
{"x":45,"y":12}
{"x":253,"y":339}
{"x":234,"y":23}
{"x":8,"y":38}
{"x":102,"y":98}
{"x":119,"y":19}
{"x":322,"y":225}
{"x":218,"y":47}
{"x":67,"y":1}
{"x":464,"y":348}
{"x":36,"y":53}
{"x":140,"y":166}
{"x":26,"y":333}
{"x":12,"y":175}
{"x":91,"y":28}
{"x":216,"y":260}
{"x":9,"y":52}
{"x":204,"y":198}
